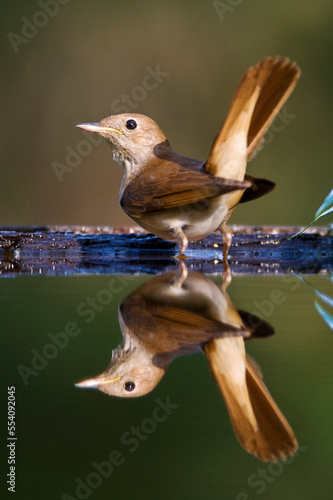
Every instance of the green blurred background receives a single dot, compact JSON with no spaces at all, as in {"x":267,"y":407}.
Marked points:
{"x":87,"y":55}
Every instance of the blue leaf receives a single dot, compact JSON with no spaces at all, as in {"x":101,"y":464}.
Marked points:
{"x":326,"y":207}
{"x":328,"y":318}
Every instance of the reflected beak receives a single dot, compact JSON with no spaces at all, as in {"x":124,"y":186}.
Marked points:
{"x":95,"y":382}
{"x":96,"y":127}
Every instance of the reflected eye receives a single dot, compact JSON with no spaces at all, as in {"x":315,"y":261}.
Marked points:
{"x":129,"y":386}
{"x":131,"y":124}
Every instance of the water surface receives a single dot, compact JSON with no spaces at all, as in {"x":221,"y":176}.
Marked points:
{"x":63,"y":431}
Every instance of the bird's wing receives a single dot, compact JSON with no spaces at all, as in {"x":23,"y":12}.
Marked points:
{"x":168,"y":328}
{"x":174,"y":317}
{"x":169,"y":185}
{"x":258,"y":327}
{"x":258,"y":188}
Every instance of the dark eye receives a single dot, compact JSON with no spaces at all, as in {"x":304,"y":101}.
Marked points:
{"x":129,"y":386}
{"x":131,"y":124}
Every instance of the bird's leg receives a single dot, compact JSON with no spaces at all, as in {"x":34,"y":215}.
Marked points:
{"x":226,"y":277}
{"x":182,"y":241}
{"x":226,"y":237}
{"x":181,"y":275}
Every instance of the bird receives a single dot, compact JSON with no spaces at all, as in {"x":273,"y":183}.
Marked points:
{"x":182,"y":312}
{"x":182,"y":199}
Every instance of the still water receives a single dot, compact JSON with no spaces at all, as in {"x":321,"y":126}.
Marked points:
{"x":176,"y":441}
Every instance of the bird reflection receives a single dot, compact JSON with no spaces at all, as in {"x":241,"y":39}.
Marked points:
{"x":179,"y":313}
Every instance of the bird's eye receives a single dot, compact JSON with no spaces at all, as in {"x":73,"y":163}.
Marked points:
{"x":131,"y":124}
{"x":129,"y":386}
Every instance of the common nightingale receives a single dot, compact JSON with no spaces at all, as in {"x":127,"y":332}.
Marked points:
{"x":180,"y":313}
{"x":180,"y":198}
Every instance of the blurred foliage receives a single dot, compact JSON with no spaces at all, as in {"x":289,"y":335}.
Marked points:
{"x":90,"y":53}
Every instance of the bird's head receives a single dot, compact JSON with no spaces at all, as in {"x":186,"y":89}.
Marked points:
{"x":133,"y":137}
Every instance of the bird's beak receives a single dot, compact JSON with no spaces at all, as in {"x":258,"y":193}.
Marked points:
{"x":96,"y":127}
{"x":95,"y":382}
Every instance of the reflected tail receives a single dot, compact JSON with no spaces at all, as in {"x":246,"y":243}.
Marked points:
{"x":259,"y":425}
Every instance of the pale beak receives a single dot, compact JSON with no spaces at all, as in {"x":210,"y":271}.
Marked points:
{"x":96,"y":127}
{"x":95,"y":382}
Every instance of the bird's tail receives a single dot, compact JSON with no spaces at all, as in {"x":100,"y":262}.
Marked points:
{"x":259,"y":425}
{"x":259,"y":97}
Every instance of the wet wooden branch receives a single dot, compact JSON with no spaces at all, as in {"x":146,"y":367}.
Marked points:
{"x":106,"y":250}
